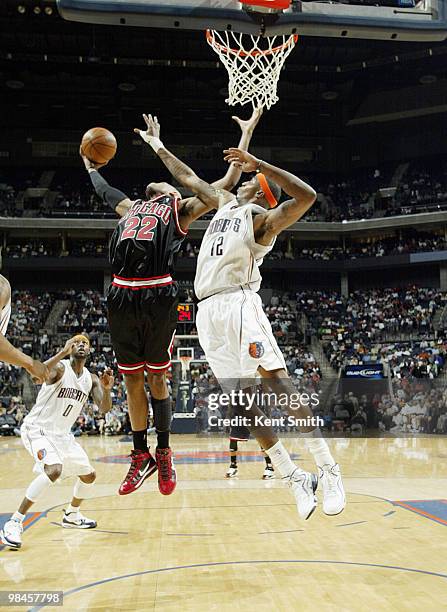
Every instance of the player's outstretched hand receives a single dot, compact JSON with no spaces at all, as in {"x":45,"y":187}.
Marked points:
{"x":240,"y":158}
{"x":106,"y":379}
{"x":88,"y":163}
{"x":70,"y":344}
{"x":152,"y":128}
{"x":38,"y":372}
{"x":249,"y":125}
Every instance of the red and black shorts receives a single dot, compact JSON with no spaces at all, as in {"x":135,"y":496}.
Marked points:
{"x":142,"y":321}
{"x":239,"y":433}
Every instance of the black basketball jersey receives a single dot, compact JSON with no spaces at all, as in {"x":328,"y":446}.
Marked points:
{"x":146,"y":240}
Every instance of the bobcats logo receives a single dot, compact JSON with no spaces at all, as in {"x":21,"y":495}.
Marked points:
{"x":256,"y":349}
{"x":41,"y":454}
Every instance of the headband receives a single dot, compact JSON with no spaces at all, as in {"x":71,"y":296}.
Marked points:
{"x":267,"y":191}
{"x":80,"y":337}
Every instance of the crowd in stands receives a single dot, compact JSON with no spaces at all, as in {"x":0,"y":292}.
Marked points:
{"x":360,"y":329}
{"x":422,"y":187}
{"x":414,"y":407}
{"x":85,"y":310}
{"x":390,"y":246}
{"x":351,"y":328}
{"x":376,"y":248}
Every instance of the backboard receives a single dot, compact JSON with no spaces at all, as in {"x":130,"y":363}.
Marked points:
{"x":404,"y":20}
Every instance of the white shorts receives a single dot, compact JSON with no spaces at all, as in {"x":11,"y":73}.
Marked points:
{"x":48,"y":449}
{"x":236,"y":335}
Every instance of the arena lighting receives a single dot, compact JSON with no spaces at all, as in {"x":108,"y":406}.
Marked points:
{"x":21,"y":9}
{"x":48,"y":10}
{"x":427,"y":79}
{"x":37,"y":10}
{"x":329,"y":95}
{"x":127,"y":86}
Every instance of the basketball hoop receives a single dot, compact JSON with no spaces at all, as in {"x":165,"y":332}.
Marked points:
{"x":253,"y":63}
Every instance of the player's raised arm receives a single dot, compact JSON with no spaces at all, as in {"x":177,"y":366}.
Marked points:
{"x":274,"y":221}
{"x":53,"y":365}
{"x":234,"y":172}
{"x":101,"y":390}
{"x":210,"y":196}
{"x":108,"y":194}
{"x":8,"y":352}
{"x":193,"y":208}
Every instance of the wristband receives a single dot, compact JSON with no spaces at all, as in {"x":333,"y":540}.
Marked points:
{"x":152,"y":141}
{"x":155,"y":143}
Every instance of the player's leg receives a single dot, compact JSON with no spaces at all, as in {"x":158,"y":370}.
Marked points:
{"x":162,"y":411}
{"x":159,"y":340}
{"x":258,"y":346}
{"x":221,"y":324}
{"x":238,"y":433}
{"x":76,"y":462}
{"x":334,"y":498}
{"x":11,"y":534}
{"x":269,"y":471}
{"x":302,"y":483}
{"x":73,"y":519}
{"x":142,"y":463}
{"x":126,"y":329}
{"x":232,"y":470}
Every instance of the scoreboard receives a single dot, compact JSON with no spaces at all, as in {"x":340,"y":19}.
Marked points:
{"x":186,"y":313}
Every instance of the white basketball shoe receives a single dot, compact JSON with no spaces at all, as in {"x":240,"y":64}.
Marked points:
{"x":11,"y":534}
{"x":76,"y":520}
{"x":334,"y":498}
{"x":269,"y":473}
{"x":231,"y":472}
{"x":304,"y":485}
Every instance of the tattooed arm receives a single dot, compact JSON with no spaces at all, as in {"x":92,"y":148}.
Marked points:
{"x":210,"y":196}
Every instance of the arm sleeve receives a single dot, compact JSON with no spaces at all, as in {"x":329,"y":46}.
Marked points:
{"x":108,"y":194}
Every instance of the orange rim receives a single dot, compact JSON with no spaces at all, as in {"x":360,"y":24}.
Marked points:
{"x":293,"y":39}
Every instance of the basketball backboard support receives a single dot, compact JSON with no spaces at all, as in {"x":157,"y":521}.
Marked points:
{"x":426,"y":21}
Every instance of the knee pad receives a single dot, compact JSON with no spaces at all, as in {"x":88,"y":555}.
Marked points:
{"x":233,"y":446}
{"x":82,"y":490}
{"x":37,"y":487}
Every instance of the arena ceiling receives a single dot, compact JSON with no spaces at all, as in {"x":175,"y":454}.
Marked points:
{"x":59,"y":69}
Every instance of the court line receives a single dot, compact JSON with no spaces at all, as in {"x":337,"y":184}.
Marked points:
{"x":285,"y":531}
{"x":256,"y":562}
{"x":389,"y":513}
{"x":415,"y":510}
{"x":200,"y":535}
{"x":348,"y":524}
{"x":94,"y":529}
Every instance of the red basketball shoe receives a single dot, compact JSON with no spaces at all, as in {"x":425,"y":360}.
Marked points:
{"x":167,"y":476}
{"x":142,"y":466}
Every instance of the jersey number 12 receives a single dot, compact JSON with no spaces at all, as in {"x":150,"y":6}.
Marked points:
{"x":217,"y":246}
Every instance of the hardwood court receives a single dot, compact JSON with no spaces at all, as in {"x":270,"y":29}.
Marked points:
{"x":239,"y":545}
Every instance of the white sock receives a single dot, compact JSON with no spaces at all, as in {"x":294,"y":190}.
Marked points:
{"x":71,"y":508}
{"x":281,"y":459}
{"x":320,"y":451}
{"x":17,"y":516}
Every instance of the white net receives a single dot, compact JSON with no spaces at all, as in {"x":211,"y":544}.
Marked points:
{"x":253,"y":63}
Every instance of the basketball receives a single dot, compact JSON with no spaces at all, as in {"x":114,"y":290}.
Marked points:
{"x":98,"y":145}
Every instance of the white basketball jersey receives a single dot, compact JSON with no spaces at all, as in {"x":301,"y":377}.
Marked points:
{"x":5,"y":315}
{"x":229,"y":256}
{"x":58,"y":406}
